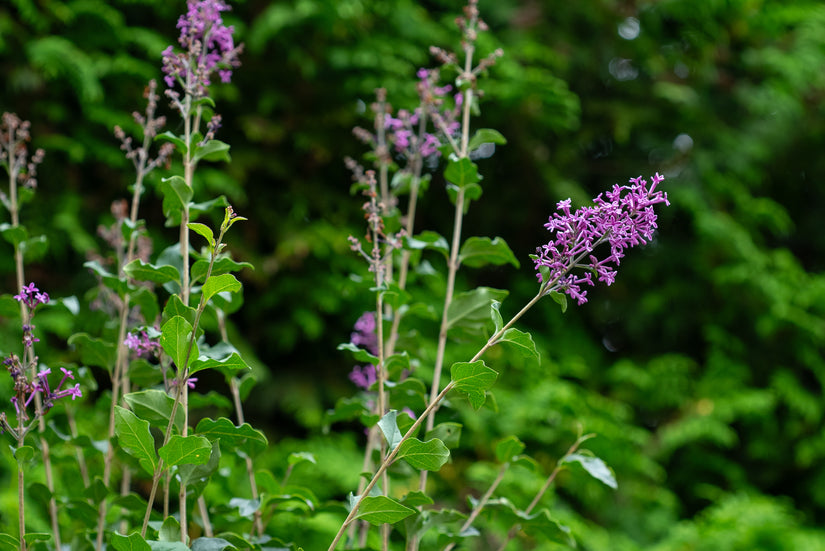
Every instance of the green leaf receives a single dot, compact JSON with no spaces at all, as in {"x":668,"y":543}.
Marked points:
{"x":594,"y":466}
{"x":378,"y":510}
{"x":176,"y":307}
{"x":196,"y":476}
{"x":186,"y":450}
{"x":13,"y":234}
{"x":231,"y":436}
{"x":34,"y":248}
{"x":448,"y":432}
{"x":560,"y":299}
{"x":542,"y":523}
{"x":472,"y":192}
{"x":94,"y":352}
{"x":359,"y":354}
{"x":175,"y":336}
{"x":9,"y":543}
{"x":485,"y":135}
{"x":154,"y":406}
{"x":213,"y":150}
{"x":301,"y":457}
{"x":473,"y":379}
{"x":211,"y":544}
{"x":522,"y":341}
{"x":425,"y":456}
{"x":176,"y":194}
{"x":34,"y":537}
{"x":23,"y":455}
{"x":230,"y":366}
{"x":133,"y":436}
{"x":428,"y":240}
{"x":472,"y":308}
{"x":220,"y":284}
{"x":508,"y":448}
{"x":389,"y":427}
{"x":111,"y":281}
{"x":417,"y":499}
{"x":495,"y":315}
{"x":223,"y":265}
{"x":180,"y":144}
{"x":147,"y":301}
{"x":142,"y":271}
{"x":462,"y":172}
{"x":480,"y":251}
{"x":205,"y":231}
{"x":169,"y":530}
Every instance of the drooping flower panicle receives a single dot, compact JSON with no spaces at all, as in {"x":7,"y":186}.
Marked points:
{"x":622,"y":217}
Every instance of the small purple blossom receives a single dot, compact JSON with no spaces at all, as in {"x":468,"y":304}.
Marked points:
{"x":364,"y":334}
{"x":209,"y":48}
{"x":142,"y":344}
{"x":363,"y":377}
{"x":25,"y":390}
{"x":623,"y":217}
{"x":31,"y":296}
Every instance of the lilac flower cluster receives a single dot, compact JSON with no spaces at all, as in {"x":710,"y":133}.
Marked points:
{"x":623,"y":218}
{"x":143,"y":344}
{"x":209,"y":48}
{"x":404,"y":134}
{"x":26,"y":390}
{"x":365,"y":337}
{"x":31,"y":296}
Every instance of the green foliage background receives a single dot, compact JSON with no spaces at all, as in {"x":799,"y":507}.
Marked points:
{"x":701,"y":369}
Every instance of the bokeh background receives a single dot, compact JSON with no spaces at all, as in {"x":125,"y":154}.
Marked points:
{"x":700,"y":369}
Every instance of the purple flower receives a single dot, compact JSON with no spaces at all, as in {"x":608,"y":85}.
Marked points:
{"x":623,"y":218}
{"x":364,"y":334}
{"x":363,"y":377}
{"x":31,"y":296}
{"x":142,"y":344}
{"x":209,"y":48}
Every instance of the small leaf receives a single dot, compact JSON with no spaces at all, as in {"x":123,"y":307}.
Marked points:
{"x":142,"y":271}
{"x":462,"y":172}
{"x":232,"y":437}
{"x":560,"y":299}
{"x":175,"y":336}
{"x":495,"y":314}
{"x":359,"y":354}
{"x":169,"y":530}
{"x":23,"y":455}
{"x":185,"y":450}
{"x":213,"y":150}
{"x":473,"y":379}
{"x":485,"y":135}
{"x":449,"y":433}
{"x":230,"y":366}
{"x":594,"y":466}
{"x":428,"y":240}
{"x":508,"y":448}
{"x":220,"y":284}
{"x":480,"y":251}
{"x":211,"y":544}
{"x":389,"y":427}
{"x":205,"y":231}
{"x":154,"y":406}
{"x":13,"y":234}
{"x":300,"y":457}
{"x":134,"y":437}
{"x":379,"y":510}
{"x":223,"y":265}
{"x":425,"y":456}
{"x":472,"y":309}
{"x":94,"y":352}
{"x":198,"y":475}
{"x":180,"y":144}
{"x":522,"y":341}
{"x":176,"y":194}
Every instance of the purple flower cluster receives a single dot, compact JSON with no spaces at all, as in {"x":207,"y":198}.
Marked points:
{"x":209,"y":47}
{"x":365,"y":337}
{"x":623,"y":217}
{"x":143,"y":344}
{"x":31,"y":296}
{"x":26,"y":390}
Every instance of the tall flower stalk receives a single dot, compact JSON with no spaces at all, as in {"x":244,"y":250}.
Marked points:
{"x":208,"y":49}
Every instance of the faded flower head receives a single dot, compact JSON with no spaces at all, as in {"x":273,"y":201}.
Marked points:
{"x":208,"y":48}
{"x":14,"y":154}
{"x":623,"y":217}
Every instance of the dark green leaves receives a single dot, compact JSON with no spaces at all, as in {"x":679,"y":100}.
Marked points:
{"x":185,"y":450}
{"x":471,"y":310}
{"x":424,"y":456}
{"x":462,"y":172}
{"x":232,"y":437}
{"x":220,"y":284}
{"x":379,"y":510}
{"x":175,"y":339}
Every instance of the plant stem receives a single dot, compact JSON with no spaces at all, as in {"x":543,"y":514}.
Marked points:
{"x":236,"y":398}
{"x":481,"y":502}
{"x":547,"y":483}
